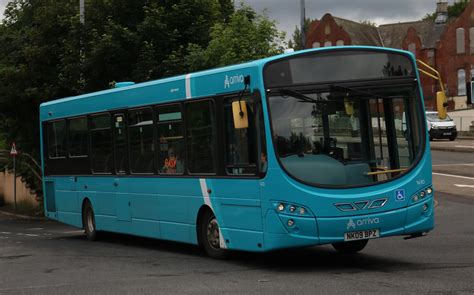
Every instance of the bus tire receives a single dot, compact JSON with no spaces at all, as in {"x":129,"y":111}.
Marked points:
{"x":209,"y":236}
{"x":350,"y":247}
{"x":88,"y":221}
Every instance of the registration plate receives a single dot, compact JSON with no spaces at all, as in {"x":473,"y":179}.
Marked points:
{"x":447,"y":133}
{"x":362,"y":235}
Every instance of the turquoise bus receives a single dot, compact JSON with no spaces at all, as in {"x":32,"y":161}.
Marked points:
{"x":323,"y":146}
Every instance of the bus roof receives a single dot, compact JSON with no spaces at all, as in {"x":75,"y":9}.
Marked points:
{"x":200,"y":84}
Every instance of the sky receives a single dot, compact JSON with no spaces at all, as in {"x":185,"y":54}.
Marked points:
{"x":287,"y":12}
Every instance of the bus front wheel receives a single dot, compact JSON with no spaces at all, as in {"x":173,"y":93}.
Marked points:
{"x":88,"y":221}
{"x":350,"y":247}
{"x":209,"y":236}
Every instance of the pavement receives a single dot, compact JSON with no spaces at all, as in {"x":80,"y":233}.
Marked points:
{"x":460,"y":145}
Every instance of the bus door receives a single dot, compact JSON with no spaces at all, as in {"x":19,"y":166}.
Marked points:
{"x":244,"y":156}
{"x":122,"y":198}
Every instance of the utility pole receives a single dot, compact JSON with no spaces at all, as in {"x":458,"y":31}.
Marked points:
{"x":303,"y":17}
{"x":81,"y":12}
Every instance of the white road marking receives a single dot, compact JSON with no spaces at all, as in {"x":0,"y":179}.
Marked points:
{"x":465,"y":146}
{"x":440,"y":165}
{"x":5,"y":233}
{"x":464,"y":185}
{"x":36,"y":228}
{"x":455,"y":176}
{"x":73,"y":232}
{"x":31,"y":235}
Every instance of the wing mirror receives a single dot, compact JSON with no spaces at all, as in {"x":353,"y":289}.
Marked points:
{"x":239,"y":108}
{"x":442,"y":105}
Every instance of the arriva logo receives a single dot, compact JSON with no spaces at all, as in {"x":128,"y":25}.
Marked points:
{"x":351,"y":224}
{"x":361,"y":222}
{"x":236,"y":79}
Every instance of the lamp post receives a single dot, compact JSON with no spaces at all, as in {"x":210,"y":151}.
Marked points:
{"x":81,"y":12}
{"x":303,"y":17}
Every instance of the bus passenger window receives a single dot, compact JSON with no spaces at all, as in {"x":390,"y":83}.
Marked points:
{"x":101,"y":144}
{"x":201,"y":137}
{"x":170,"y":140}
{"x":78,"y":137}
{"x":57,"y":139}
{"x":140,"y":123}
{"x":240,"y":143}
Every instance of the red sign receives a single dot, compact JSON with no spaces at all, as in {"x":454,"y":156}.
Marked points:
{"x":13,"y":151}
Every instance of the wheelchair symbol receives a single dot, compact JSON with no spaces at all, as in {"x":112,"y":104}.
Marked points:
{"x":400,"y":195}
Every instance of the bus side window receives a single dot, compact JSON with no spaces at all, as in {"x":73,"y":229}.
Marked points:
{"x":140,"y":130}
{"x":101,"y":144}
{"x":240,"y":147}
{"x":201,"y":137}
{"x":57,"y":139}
{"x":170,"y":139}
{"x":78,"y":137}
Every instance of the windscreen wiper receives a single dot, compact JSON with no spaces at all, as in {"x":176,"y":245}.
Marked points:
{"x":298,"y":95}
{"x":357,"y":91}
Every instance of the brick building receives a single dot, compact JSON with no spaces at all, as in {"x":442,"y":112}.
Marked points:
{"x":446,"y":44}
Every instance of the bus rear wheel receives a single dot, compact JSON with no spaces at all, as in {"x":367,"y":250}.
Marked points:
{"x":88,"y":221}
{"x":350,"y":247}
{"x":209,"y":236}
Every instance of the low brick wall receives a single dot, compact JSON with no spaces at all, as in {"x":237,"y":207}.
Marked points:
{"x":22,"y":192}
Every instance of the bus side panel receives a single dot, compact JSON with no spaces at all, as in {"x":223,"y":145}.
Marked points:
{"x":237,"y":207}
{"x":66,"y":201}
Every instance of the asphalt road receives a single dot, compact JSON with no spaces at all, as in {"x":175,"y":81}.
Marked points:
{"x":453,"y":173}
{"x":45,"y":257}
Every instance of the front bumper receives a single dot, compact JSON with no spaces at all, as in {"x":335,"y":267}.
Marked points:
{"x":309,"y":231}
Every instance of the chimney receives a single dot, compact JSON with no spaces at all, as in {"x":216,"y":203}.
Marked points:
{"x":442,"y":7}
{"x":441,"y":12}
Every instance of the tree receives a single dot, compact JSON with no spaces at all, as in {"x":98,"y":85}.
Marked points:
{"x":247,"y":36}
{"x":295,"y":41}
{"x":454,"y":10}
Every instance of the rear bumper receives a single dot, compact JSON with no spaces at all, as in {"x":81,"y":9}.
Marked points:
{"x":316,"y":231}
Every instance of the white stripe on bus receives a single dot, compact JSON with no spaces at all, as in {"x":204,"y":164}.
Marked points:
{"x":207,"y":201}
{"x":188,"y":86}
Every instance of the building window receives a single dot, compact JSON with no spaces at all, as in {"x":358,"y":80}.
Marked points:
{"x":461,"y":82}
{"x":460,"y":44}
{"x":471,"y":40}
{"x":340,"y":43}
{"x":327,"y":30}
{"x":316,"y":45}
{"x":412,"y":48}
{"x":327,"y":43}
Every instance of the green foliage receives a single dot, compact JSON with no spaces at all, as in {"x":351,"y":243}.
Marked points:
{"x":46,"y":53}
{"x":295,"y":41}
{"x":247,"y":36}
{"x":368,"y":23}
{"x":454,"y":10}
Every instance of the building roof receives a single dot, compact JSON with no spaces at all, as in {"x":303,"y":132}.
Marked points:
{"x":394,"y":34}
{"x":361,"y":34}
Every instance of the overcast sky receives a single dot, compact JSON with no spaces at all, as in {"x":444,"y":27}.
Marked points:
{"x":287,"y":12}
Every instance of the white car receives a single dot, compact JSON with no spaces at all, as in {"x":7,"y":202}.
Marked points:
{"x":438,"y":128}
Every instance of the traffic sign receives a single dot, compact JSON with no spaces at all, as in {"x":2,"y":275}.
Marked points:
{"x":13,"y":151}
